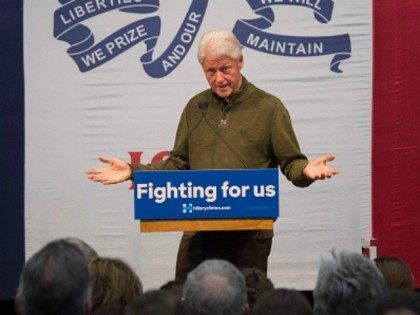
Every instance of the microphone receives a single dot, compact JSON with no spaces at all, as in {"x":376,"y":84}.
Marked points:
{"x":202,"y":105}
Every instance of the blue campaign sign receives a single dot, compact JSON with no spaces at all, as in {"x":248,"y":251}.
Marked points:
{"x":206,"y":194}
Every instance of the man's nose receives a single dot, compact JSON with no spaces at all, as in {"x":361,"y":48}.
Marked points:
{"x":220,"y":76}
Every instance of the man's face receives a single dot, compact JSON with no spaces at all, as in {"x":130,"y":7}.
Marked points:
{"x":224,"y":75}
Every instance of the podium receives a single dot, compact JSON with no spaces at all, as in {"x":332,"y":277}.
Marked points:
{"x":206,"y":200}
{"x":205,"y":225}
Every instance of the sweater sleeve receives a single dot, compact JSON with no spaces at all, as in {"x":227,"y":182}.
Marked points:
{"x":286,"y":149}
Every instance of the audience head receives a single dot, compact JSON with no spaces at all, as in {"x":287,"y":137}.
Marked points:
{"x":110,"y":310}
{"x":216,"y":287}
{"x":173,"y":286}
{"x":113,"y":282}
{"x":257,"y":283}
{"x":282,"y":301}
{"x":55,"y":280}
{"x":86,"y":249}
{"x":157,"y":302}
{"x":396,"y":272}
{"x":347,"y":284}
{"x":397,"y":303}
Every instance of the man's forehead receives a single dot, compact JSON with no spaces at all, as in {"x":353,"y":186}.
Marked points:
{"x":217,"y":61}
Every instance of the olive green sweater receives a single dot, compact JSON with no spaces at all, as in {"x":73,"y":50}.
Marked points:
{"x":254,"y":127}
{"x":253,"y":130}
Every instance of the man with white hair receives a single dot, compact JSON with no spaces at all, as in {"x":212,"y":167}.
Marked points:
{"x":244,"y":127}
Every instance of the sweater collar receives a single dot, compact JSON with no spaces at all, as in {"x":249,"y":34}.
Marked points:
{"x":237,"y":97}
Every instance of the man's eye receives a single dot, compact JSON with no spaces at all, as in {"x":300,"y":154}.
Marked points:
{"x":226,"y":70}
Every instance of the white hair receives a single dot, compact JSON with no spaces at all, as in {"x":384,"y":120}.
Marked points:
{"x":217,"y":44}
{"x":346,"y":285}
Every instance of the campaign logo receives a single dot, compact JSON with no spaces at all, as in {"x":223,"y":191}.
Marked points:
{"x":89,"y":54}
{"x":252,"y":34}
{"x":187,"y":208}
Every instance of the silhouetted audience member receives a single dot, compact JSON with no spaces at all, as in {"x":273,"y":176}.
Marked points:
{"x":157,"y":302}
{"x":282,"y":301}
{"x":110,"y":310}
{"x":396,"y":272}
{"x":175,"y":287}
{"x":257,"y":283}
{"x":347,"y":284}
{"x":86,"y":249}
{"x":216,"y":287}
{"x":397,"y":303}
{"x":55,"y":280}
{"x":113,"y":282}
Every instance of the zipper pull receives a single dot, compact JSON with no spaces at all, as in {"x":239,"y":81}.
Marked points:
{"x":223,"y":122}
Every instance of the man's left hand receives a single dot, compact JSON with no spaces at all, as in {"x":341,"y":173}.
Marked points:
{"x":318,"y":168}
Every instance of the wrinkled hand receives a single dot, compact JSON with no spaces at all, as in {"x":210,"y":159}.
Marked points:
{"x":318,"y":168}
{"x":116,"y":172}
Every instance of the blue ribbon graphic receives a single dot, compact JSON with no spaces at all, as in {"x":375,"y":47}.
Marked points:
{"x":88,"y":55}
{"x":179,"y":46}
{"x":250,"y":33}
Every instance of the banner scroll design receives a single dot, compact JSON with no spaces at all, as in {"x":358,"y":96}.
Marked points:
{"x":89,"y":55}
{"x":251,"y":33}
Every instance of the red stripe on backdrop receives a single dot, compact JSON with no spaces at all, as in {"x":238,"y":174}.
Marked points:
{"x":396,"y":131}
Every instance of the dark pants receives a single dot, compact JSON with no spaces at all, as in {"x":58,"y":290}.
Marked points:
{"x":236,"y":247}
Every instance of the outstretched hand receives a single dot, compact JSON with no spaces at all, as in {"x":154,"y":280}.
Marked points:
{"x":318,"y":168}
{"x":116,"y":172}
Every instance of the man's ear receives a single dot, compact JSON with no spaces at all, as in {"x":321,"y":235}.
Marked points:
{"x":241,"y":61}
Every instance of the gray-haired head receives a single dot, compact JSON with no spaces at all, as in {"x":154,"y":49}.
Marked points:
{"x":55,"y":280}
{"x":217,"y":44}
{"x":346,"y":285}
{"x":86,"y":249}
{"x":216,"y":287}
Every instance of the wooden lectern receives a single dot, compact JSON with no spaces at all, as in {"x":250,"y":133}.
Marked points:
{"x":205,"y":225}
{"x":206,"y":200}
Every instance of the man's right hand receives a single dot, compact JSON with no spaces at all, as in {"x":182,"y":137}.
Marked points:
{"x":116,"y":172}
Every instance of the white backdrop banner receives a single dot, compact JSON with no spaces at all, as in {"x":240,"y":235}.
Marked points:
{"x":111,"y":77}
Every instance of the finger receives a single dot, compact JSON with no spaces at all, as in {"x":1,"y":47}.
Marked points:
{"x":106,"y":159}
{"x":96,"y":171}
{"x":323,"y":159}
{"x":318,"y":175}
{"x":94,"y":179}
{"x":334,"y":171}
{"x":328,"y":158}
{"x":98,"y":178}
{"x":92,"y":172}
{"x":108,"y":182}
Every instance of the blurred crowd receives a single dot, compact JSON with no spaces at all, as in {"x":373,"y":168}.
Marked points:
{"x":67,"y":276}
